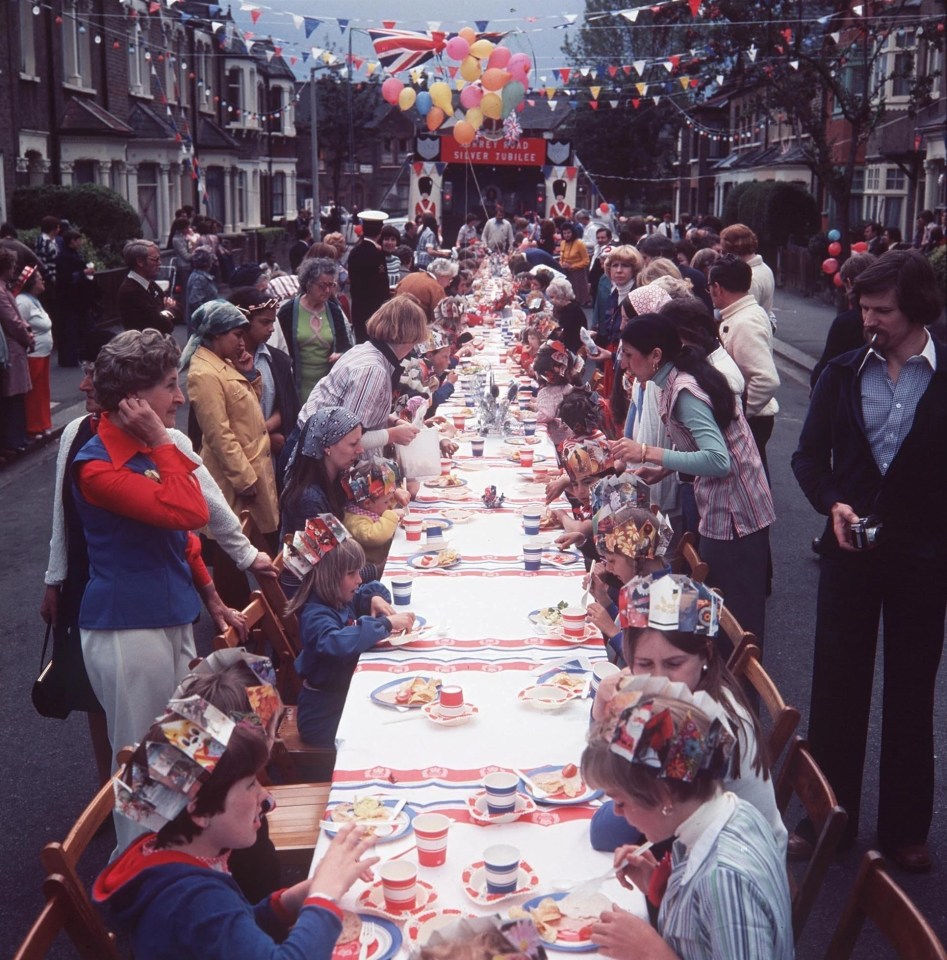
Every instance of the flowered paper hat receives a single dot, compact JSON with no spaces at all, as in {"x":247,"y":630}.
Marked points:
{"x":369,"y":478}
{"x":168,"y":771}
{"x":436,"y":340}
{"x":623,"y":522}
{"x":667,"y":602}
{"x":307,"y":547}
{"x":585,"y":457}
{"x":555,"y":363}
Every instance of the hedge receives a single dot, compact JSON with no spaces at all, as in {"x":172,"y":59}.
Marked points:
{"x":775,"y":211}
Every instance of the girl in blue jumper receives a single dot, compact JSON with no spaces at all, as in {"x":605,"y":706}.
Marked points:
{"x":339,"y":618}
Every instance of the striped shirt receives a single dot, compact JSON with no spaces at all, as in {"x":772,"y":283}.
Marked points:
{"x":739,"y":503}
{"x":888,"y":408}
{"x":727,"y":896}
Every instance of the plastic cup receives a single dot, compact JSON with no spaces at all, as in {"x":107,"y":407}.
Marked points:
{"x":502,"y":867}
{"x":446,"y":467}
{"x":573,"y":622}
{"x":524,"y":400}
{"x":451,"y":701}
{"x":399,"y":883}
{"x":430,"y":833}
{"x":600,"y":671}
{"x":434,"y":534}
{"x":533,"y":556}
{"x":526,"y":457}
{"x":531,"y":517}
{"x":401,"y":589}
{"x":476,"y":448}
{"x":412,"y":528}
{"x":459,"y":422}
{"x":540,"y":472}
{"x":501,"y":792}
{"x":529,"y":426}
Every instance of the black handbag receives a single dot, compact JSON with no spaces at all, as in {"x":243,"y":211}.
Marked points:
{"x":50,"y":688}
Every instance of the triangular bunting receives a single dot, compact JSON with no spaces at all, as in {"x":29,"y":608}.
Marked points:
{"x":594,"y":104}
{"x":639,"y":66}
{"x":481,"y":25}
{"x":631,"y":14}
{"x":642,"y":88}
{"x":595,"y":91}
{"x":389,"y":24}
{"x":311,"y":24}
{"x":612,"y":71}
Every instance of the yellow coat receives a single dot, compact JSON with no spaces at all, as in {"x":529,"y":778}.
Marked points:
{"x":574,"y":256}
{"x":235,"y":446}
{"x":373,"y":533}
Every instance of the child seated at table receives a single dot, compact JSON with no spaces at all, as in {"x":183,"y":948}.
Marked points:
{"x":193,"y":782}
{"x":559,"y":371}
{"x":372,"y":490}
{"x":339,"y":618}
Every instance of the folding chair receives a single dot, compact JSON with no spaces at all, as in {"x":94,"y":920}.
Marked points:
{"x":801,"y":777}
{"x":61,"y":914}
{"x":294,"y":823}
{"x":783,"y":718}
{"x":877,"y":897}
{"x":687,"y":549}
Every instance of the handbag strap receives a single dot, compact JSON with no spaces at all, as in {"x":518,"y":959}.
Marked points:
{"x":42,"y":659}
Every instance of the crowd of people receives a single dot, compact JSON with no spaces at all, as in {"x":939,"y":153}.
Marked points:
{"x":306,"y":391}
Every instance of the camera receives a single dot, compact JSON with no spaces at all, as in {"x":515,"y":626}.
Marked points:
{"x":865,"y":532}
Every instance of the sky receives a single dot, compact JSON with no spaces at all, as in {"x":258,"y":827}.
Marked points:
{"x":534,"y":23}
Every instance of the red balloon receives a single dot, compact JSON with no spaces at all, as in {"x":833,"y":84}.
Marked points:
{"x":837,"y":280}
{"x":835,"y":249}
{"x":830,"y":265}
{"x":603,"y":207}
{"x":860,"y":247}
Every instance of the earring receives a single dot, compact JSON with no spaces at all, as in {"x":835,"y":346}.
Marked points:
{"x":705,"y":668}
{"x":667,"y":810}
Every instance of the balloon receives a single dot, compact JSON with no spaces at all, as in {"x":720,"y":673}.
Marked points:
{"x":435,"y":117}
{"x":457,"y":48}
{"x":834,"y":235}
{"x":512,"y":97}
{"x":830,"y":265}
{"x":471,"y":96}
{"x":470,"y":69}
{"x":475,"y":118}
{"x":603,"y":208}
{"x":835,"y":249}
{"x":500,"y":57}
{"x":517,"y":61}
{"x":495,"y":79}
{"x":492,"y":106}
{"x":464,"y":133}
{"x":406,"y":98}
{"x":860,"y":247}
{"x":441,"y":96}
{"x":422,"y":103}
{"x":520,"y":77}
{"x":468,"y":34}
{"x":837,"y":280}
{"x":390,"y":90}
{"x":481,"y":49}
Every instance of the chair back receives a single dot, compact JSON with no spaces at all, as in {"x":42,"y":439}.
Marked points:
{"x":62,"y":913}
{"x":802,"y":778}
{"x":783,"y":719}
{"x":687,"y":548}
{"x":877,"y":897}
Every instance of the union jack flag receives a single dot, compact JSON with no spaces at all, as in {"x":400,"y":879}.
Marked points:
{"x":399,"y":50}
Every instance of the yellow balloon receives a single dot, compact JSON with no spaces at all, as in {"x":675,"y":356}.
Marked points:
{"x":491,"y":106}
{"x":464,"y":133}
{"x":474,"y":117}
{"x":481,"y":49}
{"x":440,"y":94}
{"x":460,"y":83}
{"x":470,"y":69}
{"x":406,"y":98}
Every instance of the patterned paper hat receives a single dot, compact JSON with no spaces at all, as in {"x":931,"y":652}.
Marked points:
{"x":555,"y":363}
{"x":307,"y":547}
{"x":643,"y":731}
{"x":370,"y":478}
{"x":623,"y":522}
{"x":167,"y":772}
{"x":669,"y":602}
{"x":585,"y":457}
{"x":436,"y":340}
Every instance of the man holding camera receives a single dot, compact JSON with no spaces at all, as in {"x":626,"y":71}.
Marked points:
{"x":872,"y":456}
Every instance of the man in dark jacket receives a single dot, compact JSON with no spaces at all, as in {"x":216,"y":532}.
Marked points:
{"x":368,"y":272}
{"x":141,"y":302}
{"x":76,"y":296}
{"x":874,"y":445}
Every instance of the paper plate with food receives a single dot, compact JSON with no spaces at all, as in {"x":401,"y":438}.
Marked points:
{"x":544,"y":696}
{"x":384,"y":940}
{"x":573,"y":679}
{"x":419,"y":928}
{"x":459,"y":516}
{"x":550,"y":520}
{"x":561,"y":558}
{"x":412,"y":692}
{"x":514,"y":457}
{"x":372,"y":812}
{"x":445,"y":482}
{"x":520,"y":441}
{"x":560,"y":786}
{"x":548,"y":618}
{"x":435,"y":559}
{"x":564,"y":920}
{"x":406,"y":636}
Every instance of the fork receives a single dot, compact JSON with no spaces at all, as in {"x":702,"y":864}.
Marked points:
{"x":366,"y":937}
{"x":591,"y":885}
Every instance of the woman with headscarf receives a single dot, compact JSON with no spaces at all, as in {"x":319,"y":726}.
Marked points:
{"x":31,"y":286}
{"x":225,"y":389}
{"x":200,"y":286}
{"x":14,"y":372}
{"x":574,"y":258}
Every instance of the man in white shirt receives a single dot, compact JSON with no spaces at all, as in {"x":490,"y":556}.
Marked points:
{"x":498,"y":233}
{"x":740,"y":240}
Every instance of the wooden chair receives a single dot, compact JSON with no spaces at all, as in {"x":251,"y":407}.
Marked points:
{"x":294,"y":823}
{"x":783,"y":719}
{"x":62,"y":914}
{"x":801,"y":777}
{"x":687,"y":549}
{"x":876,"y":896}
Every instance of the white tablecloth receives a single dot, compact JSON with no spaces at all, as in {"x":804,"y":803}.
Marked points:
{"x":481,"y":638}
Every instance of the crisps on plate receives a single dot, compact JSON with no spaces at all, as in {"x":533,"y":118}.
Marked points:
{"x":558,"y":783}
{"x":365,"y":808}
{"x":418,"y":690}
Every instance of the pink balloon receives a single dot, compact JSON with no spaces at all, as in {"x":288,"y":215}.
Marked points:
{"x":471,"y":96}
{"x":457,"y":48}
{"x":520,"y":77}
{"x":500,"y":57}
{"x":390,"y":90}
{"x":517,"y":60}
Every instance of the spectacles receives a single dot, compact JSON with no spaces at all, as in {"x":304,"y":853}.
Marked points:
{"x":327,"y":287}
{"x":87,"y":369}
{"x":153,"y":259}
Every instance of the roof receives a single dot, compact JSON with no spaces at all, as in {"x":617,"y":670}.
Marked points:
{"x":758,"y":157}
{"x":86,"y":116}
{"x":149,"y":125}
{"x":211,"y":135}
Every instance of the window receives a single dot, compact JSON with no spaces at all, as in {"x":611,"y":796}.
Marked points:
{"x":205,"y":86}
{"x":275,"y":110}
{"x":235,"y":94}
{"x":83,"y":171}
{"x":894,"y":179}
{"x":902,"y":74}
{"x":76,"y":49}
{"x":27,"y":39}
{"x":279,"y":194}
{"x":240,"y":183}
{"x":873,"y":179}
{"x":139,"y":76}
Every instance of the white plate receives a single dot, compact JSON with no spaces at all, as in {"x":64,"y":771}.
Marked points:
{"x":385,"y":694}
{"x":480,"y":813}
{"x":567,"y":946}
{"x":559,"y":800}
{"x":459,"y":516}
{"x":546,"y":697}
{"x":418,"y":929}
{"x":431,"y":711}
{"x":591,"y":633}
{"x":385,"y":945}
{"x":474,"y":879}
{"x":372,"y":900}
{"x":440,"y":484}
{"x":384,"y":832}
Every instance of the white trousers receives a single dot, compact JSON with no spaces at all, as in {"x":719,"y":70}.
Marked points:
{"x":134,"y":673}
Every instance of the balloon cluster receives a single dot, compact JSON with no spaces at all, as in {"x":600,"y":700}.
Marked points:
{"x":494,"y":85}
{"x":830,"y":266}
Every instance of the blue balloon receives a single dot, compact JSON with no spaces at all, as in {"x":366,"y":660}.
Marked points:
{"x":834,"y":235}
{"x":423,"y":103}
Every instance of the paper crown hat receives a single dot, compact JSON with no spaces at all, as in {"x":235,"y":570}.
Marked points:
{"x":323,"y":533}
{"x":686,"y":741}
{"x":622,"y":521}
{"x":168,"y":771}
{"x":436,"y":340}
{"x":669,"y":602}
{"x":369,"y":478}
{"x":585,"y":457}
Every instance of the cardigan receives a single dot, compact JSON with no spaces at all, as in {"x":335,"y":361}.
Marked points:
{"x":288,"y":317}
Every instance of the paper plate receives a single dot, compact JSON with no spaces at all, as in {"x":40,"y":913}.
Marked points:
{"x":400,"y":639}
{"x":472,"y":466}
{"x":385,"y":694}
{"x":415,"y":561}
{"x":591,"y":633}
{"x":537,"y":458}
{"x":372,"y":901}
{"x":459,"y":516}
{"x":431,"y":712}
{"x":546,"y":697}
{"x":441,"y":522}
{"x":438,"y":482}
{"x":578,"y":673}
{"x":537,"y":621}
{"x":419,"y":928}
{"x":559,"y":800}
{"x":480,"y":813}
{"x":474,"y":879}
{"x":561,"y":558}
{"x":566,"y":946}
{"x":401,"y":825}
{"x":386,"y":944}
{"x":519,"y":441}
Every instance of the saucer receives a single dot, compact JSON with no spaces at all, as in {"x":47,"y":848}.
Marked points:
{"x":419,"y":928}
{"x":591,"y":633}
{"x":474,"y":879}
{"x":546,"y":696}
{"x":477,"y":807}
{"x":432,"y":712}
{"x":372,"y":900}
